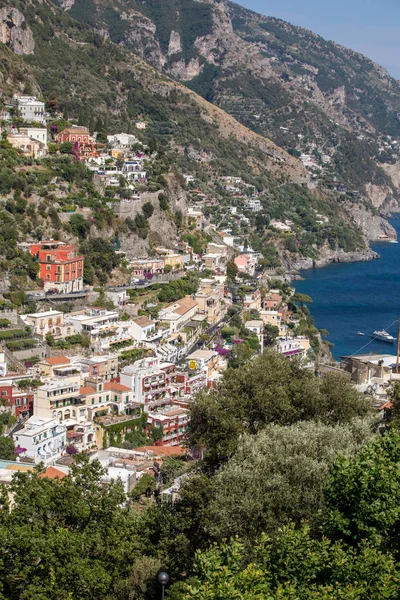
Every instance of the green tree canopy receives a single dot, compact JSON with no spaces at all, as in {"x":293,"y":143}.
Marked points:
{"x":268,"y":389}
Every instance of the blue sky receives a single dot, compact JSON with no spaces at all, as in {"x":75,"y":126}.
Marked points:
{"x":368,"y":26}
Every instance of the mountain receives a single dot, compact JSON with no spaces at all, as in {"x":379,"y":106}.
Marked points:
{"x":115,"y":61}
{"x":308,"y":95}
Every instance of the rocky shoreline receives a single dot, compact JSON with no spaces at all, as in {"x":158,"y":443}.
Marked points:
{"x":327,"y":258}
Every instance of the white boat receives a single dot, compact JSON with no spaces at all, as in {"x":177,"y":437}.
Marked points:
{"x":393,"y":242}
{"x":383,"y":336}
{"x":360,"y":333}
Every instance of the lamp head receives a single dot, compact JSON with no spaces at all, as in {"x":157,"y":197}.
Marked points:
{"x":163,"y":578}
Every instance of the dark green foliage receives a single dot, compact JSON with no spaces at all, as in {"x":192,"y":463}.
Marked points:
{"x":175,"y":290}
{"x":102,"y":257}
{"x":147,"y":210}
{"x":7,"y":448}
{"x":80,"y":227}
{"x":86,"y":539}
{"x":269,"y":389}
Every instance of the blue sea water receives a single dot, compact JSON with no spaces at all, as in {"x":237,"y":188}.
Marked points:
{"x":352,"y":297}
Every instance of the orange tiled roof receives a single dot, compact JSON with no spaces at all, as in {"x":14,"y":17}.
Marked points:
{"x":52,"y":473}
{"x":118,"y":387}
{"x":86,"y":390}
{"x":58,"y":360}
{"x":163,"y":450}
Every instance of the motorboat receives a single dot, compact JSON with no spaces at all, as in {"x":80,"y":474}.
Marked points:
{"x":383,"y":336}
{"x":360,"y":333}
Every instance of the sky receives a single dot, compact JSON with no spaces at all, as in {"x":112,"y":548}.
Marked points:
{"x":368,"y":26}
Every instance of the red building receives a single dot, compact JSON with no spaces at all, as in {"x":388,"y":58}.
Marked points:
{"x":61,"y":268}
{"x":83,"y":144}
{"x":174,"y":423}
{"x":19,"y":401}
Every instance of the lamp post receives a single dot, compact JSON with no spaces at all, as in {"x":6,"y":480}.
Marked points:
{"x":163,"y":578}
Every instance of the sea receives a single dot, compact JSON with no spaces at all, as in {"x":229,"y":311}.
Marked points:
{"x":357,"y":297}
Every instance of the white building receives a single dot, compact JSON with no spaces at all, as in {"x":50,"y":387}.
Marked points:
{"x":44,"y":439}
{"x":35,"y":133}
{"x":257,"y":326}
{"x":50,"y":321}
{"x":179,"y":313}
{"x":122,"y":139}
{"x":254,"y":204}
{"x":30,"y":109}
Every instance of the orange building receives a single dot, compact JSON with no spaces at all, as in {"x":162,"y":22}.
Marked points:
{"x":60,"y":267}
{"x":83,"y":144}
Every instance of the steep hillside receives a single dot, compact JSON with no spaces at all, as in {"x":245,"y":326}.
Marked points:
{"x":308,"y":95}
{"x":98,"y":81}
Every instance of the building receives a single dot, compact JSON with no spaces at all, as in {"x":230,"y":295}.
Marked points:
{"x":252,"y":301}
{"x":272,"y":301}
{"x":141,"y":267}
{"x":365,"y":367}
{"x":291,"y":348}
{"x":202,"y":360}
{"x":84,"y":145}
{"x":257,"y":326}
{"x":47,"y":367}
{"x":16,"y":399}
{"x":195,"y":218}
{"x":51,"y":321}
{"x":118,"y":296}
{"x":132,"y":170}
{"x":35,"y":133}
{"x":30,"y":109}
{"x":179,"y":313}
{"x":140,"y":125}
{"x":44,"y":439}
{"x":151,"y":381}
{"x":27,"y":145}
{"x":104,"y":366}
{"x":173,"y":422}
{"x":60,"y":267}
{"x":122,"y":139}
{"x":210,"y":300}
{"x":246,"y":264}
{"x":254,"y":204}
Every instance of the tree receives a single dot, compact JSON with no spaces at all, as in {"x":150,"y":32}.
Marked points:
{"x":7,"y":448}
{"x":66,"y":148}
{"x":167,"y":268}
{"x":364,"y":495}
{"x":280,"y":475}
{"x":268,"y":389}
{"x":79,"y":226}
{"x":52,"y":102}
{"x":71,"y":537}
{"x":147,"y":209}
{"x":163,"y":201}
{"x":290,"y":566}
{"x":271,"y":332}
{"x":231,"y":270}
{"x":302,"y":299}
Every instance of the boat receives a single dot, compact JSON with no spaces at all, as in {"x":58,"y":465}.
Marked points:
{"x":383,"y":336}
{"x":393,"y":242}
{"x":360,"y":333}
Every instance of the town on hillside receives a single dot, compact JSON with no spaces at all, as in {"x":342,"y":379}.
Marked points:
{"x":108,"y":364}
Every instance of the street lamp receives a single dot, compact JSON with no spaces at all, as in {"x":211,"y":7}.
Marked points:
{"x":163,"y":578}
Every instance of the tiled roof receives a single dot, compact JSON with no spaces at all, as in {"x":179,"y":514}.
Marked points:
{"x":117,"y":387}
{"x":58,"y":360}
{"x":143,"y":321}
{"x":86,"y":390}
{"x":163,"y":450}
{"x":52,"y":473}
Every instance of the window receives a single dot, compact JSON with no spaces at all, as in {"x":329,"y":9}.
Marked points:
{"x":48,"y":267}
{"x":48,"y":258}
{"x":17,"y":402}
{"x":115,"y":398}
{"x":100,"y":387}
{"x":92,"y":400}
{"x":25,"y":401}
{"x":127,"y":399}
{"x":107,"y":398}
{"x":4,"y":393}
